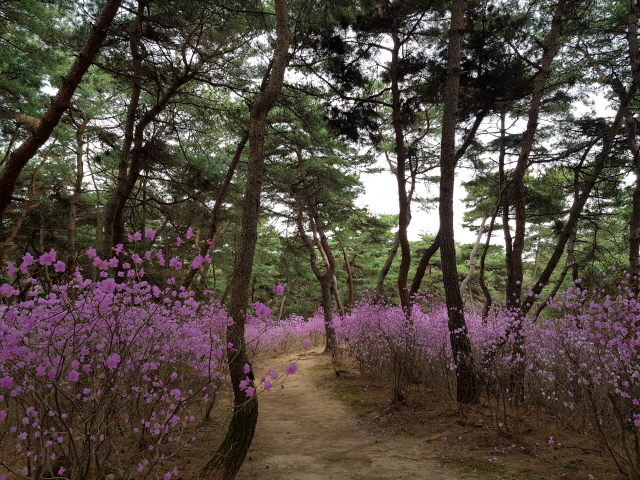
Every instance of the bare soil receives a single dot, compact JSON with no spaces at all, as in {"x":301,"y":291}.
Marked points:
{"x":319,"y":426}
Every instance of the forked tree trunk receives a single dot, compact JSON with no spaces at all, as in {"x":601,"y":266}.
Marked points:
{"x":515,"y":279}
{"x":472,"y":258}
{"x":466,"y":381}
{"x":110,"y":208}
{"x":19,"y":158}
{"x":229,"y":457}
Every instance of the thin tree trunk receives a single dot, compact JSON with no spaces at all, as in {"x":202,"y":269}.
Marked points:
{"x":320,"y":240}
{"x":350,"y":278}
{"x":25,"y":209}
{"x":125,"y":153}
{"x":217,"y":206}
{"x":466,"y":381}
{"x":424,"y":263}
{"x":483,"y":285}
{"x":227,"y":461}
{"x":123,"y":192}
{"x":472,"y":257}
{"x":325,"y":279}
{"x":77,"y":191}
{"x":59,"y":104}
{"x":403,"y":199}
{"x":281,"y":307}
{"x":579,"y":203}
{"x":14,"y":137}
{"x":387,"y":264}
{"x":517,"y":184}
{"x":535,"y":263}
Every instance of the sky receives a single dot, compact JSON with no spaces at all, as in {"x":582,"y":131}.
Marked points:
{"x":381,"y":196}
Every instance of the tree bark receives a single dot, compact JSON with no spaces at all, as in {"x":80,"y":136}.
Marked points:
{"x":132,"y":111}
{"x":483,"y":285}
{"x":77,"y":191}
{"x":424,"y":263}
{"x":403,"y":199}
{"x":349,"y":277}
{"x":231,"y":454}
{"x":466,"y":381}
{"x":579,"y":203}
{"x":472,"y":257}
{"x":215,"y":214}
{"x":25,"y":209}
{"x":517,"y":184}
{"x":123,"y":191}
{"x":320,"y":240}
{"x":26,"y":151}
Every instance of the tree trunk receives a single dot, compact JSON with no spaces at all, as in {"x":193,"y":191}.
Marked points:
{"x":25,"y":209}
{"x":132,"y":111}
{"x":231,"y":454}
{"x":215,"y":214}
{"x":472,"y":257}
{"x":77,"y":191}
{"x":123,"y":191}
{"x":387,"y":264}
{"x":466,"y":381}
{"x":350,"y":278}
{"x":517,"y":184}
{"x":26,"y":151}
{"x":579,"y":203}
{"x":483,"y":285}
{"x":424,"y":263}
{"x":403,"y":200}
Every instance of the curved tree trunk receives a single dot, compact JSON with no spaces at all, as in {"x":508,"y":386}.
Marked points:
{"x":515,"y":279}
{"x":59,"y":104}
{"x":215,"y":215}
{"x":472,"y":257}
{"x":424,"y":263}
{"x":466,"y":381}
{"x":231,"y":454}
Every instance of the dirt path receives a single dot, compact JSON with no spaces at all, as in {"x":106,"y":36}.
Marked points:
{"x":305,"y":433}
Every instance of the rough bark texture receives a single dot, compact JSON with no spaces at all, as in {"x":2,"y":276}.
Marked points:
{"x":25,"y":209}
{"x":424,"y":263}
{"x":58,"y":105}
{"x":550,"y":48}
{"x":77,"y":191}
{"x":328,"y":278}
{"x":231,"y":454}
{"x":132,"y":110}
{"x":472,"y":257}
{"x":401,"y":160}
{"x":466,"y":381}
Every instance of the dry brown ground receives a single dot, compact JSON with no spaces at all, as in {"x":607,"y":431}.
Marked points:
{"x":319,"y":426}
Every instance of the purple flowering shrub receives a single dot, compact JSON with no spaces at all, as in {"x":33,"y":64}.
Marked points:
{"x":108,"y":375}
{"x":580,"y":362}
{"x":284,"y":336}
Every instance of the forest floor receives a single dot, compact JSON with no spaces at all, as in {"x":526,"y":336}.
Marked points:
{"x":321,"y":426}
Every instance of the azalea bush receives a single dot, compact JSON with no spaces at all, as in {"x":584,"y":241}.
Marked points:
{"x":580,"y":362}
{"x":116,"y":375}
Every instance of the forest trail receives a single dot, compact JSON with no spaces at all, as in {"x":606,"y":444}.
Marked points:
{"x":305,"y":432}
